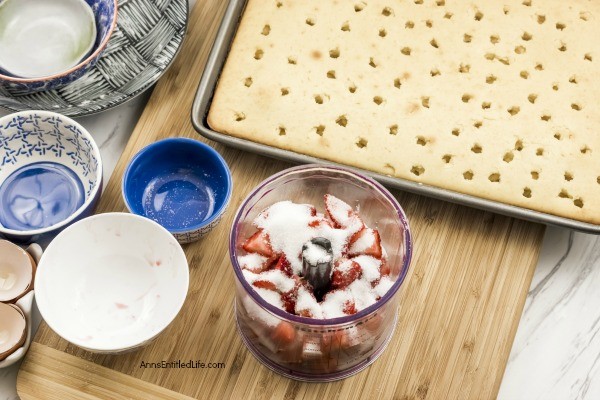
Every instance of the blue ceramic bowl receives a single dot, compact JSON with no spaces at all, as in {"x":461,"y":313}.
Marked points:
{"x":50,"y":175}
{"x":183,"y":184}
{"x":105,"y":14}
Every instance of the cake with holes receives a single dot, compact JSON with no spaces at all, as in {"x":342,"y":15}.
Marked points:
{"x":495,"y":100}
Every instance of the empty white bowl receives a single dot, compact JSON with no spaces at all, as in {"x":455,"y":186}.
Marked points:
{"x":44,"y":38}
{"x":111,"y":282}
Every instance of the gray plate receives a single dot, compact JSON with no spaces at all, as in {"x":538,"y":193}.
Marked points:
{"x":206,"y":89}
{"x":145,"y":42}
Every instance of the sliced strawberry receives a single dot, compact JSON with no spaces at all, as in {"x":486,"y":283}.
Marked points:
{"x":283,"y":334}
{"x":344,"y":273}
{"x":384,"y":269}
{"x":289,"y":301}
{"x":284,"y":266}
{"x":264,"y":284}
{"x":367,"y":242}
{"x":259,"y":243}
{"x":342,"y":215}
{"x":350,"y":308}
{"x":255,"y":262}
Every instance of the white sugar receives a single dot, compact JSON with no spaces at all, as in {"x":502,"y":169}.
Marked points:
{"x":258,"y":313}
{"x":363,"y":294}
{"x":307,"y":302}
{"x":252,"y":261}
{"x":316,"y":254}
{"x":385,"y":284}
{"x":365,"y":240}
{"x":370,"y":267}
{"x":281,"y":281}
{"x":335,"y":302}
{"x":287,"y":225}
{"x":344,"y":266}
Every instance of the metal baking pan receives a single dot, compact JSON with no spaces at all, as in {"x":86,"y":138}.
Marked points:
{"x":202,"y":102}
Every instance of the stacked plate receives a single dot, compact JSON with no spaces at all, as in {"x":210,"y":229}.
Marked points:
{"x":145,"y":41}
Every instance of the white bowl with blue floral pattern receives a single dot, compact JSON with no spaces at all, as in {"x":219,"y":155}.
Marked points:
{"x":105,"y":16}
{"x":50,"y":175}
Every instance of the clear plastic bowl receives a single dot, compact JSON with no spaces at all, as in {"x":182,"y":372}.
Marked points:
{"x":321,"y":350}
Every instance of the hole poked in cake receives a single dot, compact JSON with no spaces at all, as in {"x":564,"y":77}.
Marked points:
{"x":490,"y":79}
{"x":476,"y":148}
{"x":519,"y":145}
{"x":456,"y":132}
{"x":285,"y":91}
{"x":520,"y":49}
{"x":564,"y":194}
{"x":526,"y":36}
{"x":562,"y":47}
{"x":318,"y":99}
{"x":539,"y":67}
{"x":258,"y":54}
{"x":527,"y":192}
{"x":358,"y":7}
{"x":352,"y":88}
{"x":560,"y":26}
{"x":535,"y":175}
{"x":486,"y":105}
{"x":435,"y":72}
{"x":532,"y":98}
{"x":393,"y":129}
{"x":320,"y":130}
{"x":514,"y":110}
{"x":372,"y":62}
{"x":417,"y":170}
{"x":447,"y":158}
{"x":587,"y":57}
{"x":434,"y":43}
{"x":478,"y":124}
{"x":266,"y":30}
{"x":239,"y":116}
{"x":406,"y":51}
{"x":389,"y":169}
{"x":546,"y":117}
{"x":467,"y":38}
{"x":466,"y":97}
{"x":494,"y":177}
{"x":310,"y":21}
{"x":409,"y":25}
{"x":585,"y":150}
{"x":422,"y":141}
{"x":494,"y":39}
{"x":584,"y":16}
{"x":361,"y":143}
{"x":346,"y":26}
{"x":468,"y":175}
{"x":425,"y":101}
{"x":573,"y":79}
{"x":464,"y":68}
{"x":478,"y":15}
{"x":387,"y":11}
{"x":397,"y":83}
{"x":342,"y":120}
{"x":524,"y":74}
{"x":576,"y":106}
{"x":248,"y":82}
{"x":429,"y":23}
{"x":378,"y":100}
{"x":281,"y":130}
{"x":331,"y":74}
{"x":578,"y":202}
{"x":540,"y":18}
{"x":539,"y":151}
{"x":292,"y":60}
{"x":382,"y":32}
{"x":334,"y":53}
{"x":568,"y":176}
{"x":508,"y":157}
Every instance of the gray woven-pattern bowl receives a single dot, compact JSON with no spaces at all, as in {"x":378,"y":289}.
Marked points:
{"x":147,"y":38}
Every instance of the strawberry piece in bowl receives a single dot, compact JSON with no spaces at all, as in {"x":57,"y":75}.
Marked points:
{"x":365,"y":242}
{"x":259,"y":243}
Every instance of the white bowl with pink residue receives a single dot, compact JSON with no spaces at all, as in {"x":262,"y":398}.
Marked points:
{"x":111,"y":282}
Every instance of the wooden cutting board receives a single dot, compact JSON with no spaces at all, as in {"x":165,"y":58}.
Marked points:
{"x":461,"y":302}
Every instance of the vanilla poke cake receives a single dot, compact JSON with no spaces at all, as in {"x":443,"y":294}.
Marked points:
{"x":494,"y":99}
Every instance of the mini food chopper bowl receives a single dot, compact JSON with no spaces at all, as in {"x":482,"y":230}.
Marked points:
{"x":321,"y":350}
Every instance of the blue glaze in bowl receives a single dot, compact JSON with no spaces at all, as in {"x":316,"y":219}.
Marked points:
{"x":105,"y":14}
{"x":34,"y":140}
{"x":183,"y":184}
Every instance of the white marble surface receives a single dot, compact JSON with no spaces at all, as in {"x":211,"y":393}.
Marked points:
{"x":556,"y":352}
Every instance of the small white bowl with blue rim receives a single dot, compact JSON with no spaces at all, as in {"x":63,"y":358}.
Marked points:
{"x":183,"y":184}
{"x":50,"y":175}
{"x":48,"y":44}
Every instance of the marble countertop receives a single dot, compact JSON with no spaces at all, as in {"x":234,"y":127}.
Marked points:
{"x":556,"y":353}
